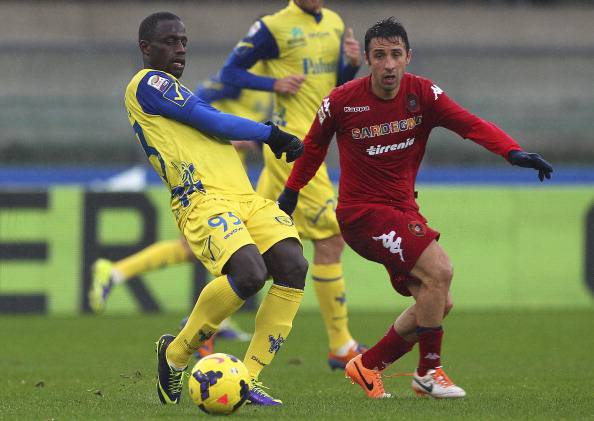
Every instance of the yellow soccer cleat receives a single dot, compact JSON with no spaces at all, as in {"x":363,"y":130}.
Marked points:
{"x":101,"y":285}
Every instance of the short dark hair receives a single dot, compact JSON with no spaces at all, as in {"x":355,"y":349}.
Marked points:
{"x":388,"y":28}
{"x":147,"y":28}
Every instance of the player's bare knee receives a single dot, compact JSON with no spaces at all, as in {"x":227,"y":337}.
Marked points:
{"x":448,"y":306}
{"x":329,"y":249}
{"x":443,"y":275}
{"x":295,"y":272}
{"x":251,"y":279}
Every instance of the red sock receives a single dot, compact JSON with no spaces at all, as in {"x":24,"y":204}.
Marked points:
{"x":429,"y":348}
{"x":391,"y":347}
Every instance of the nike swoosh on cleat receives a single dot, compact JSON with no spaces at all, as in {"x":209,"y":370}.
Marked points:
{"x":428,"y":389}
{"x":368,"y":385}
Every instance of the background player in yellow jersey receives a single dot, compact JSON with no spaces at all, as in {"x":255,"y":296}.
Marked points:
{"x":247,"y":103}
{"x":239,"y":236}
{"x":307,"y":52}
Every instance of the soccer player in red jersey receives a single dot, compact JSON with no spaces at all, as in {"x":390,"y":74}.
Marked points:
{"x":382,"y":123}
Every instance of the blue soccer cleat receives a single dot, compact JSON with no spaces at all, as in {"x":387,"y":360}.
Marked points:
{"x":258,"y":396}
{"x":169,"y":380}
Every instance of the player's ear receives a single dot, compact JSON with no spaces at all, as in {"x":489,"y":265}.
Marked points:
{"x":367,"y":58}
{"x":145,"y":47}
{"x":408,"y":56}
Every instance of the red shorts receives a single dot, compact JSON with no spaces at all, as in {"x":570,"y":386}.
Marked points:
{"x":387,"y":235}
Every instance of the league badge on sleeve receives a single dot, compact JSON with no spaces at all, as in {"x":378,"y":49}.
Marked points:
{"x":158,"y":82}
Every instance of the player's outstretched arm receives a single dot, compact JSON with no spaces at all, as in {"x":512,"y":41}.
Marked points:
{"x":287,"y":201}
{"x":531,"y":160}
{"x":282,"y":142}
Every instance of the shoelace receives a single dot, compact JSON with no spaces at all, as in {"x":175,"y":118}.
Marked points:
{"x":176,"y":380}
{"x":377,"y":380}
{"x":440,"y":377}
{"x":258,"y":388}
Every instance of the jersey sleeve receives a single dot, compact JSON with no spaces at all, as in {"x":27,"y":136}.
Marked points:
{"x":447,"y":113}
{"x":213,"y":89}
{"x":258,"y":44}
{"x":316,"y":145}
{"x":160,"y":94}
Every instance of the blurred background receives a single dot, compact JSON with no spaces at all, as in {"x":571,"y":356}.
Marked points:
{"x":526,"y":65}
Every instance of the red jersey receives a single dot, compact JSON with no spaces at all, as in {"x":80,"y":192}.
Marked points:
{"x":382,"y":142}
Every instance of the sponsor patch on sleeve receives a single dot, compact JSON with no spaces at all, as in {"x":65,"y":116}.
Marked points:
{"x":158,"y":82}
{"x":254,"y":29}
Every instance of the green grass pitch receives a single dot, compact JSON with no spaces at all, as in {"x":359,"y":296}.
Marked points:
{"x":513,"y":364}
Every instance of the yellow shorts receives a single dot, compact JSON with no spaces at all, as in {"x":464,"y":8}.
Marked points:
{"x":315,"y":216}
{"x":216,"y":228}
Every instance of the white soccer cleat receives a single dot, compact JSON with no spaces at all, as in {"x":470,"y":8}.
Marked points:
{"x":436,"y":384}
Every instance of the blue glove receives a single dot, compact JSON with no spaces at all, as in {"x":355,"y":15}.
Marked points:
{"x":287,"y":200}
{"x":531,"y":160}
{"x":282,"y":142}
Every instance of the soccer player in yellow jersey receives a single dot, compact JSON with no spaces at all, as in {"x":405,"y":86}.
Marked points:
{"x":307,"y":52}
{"x":255,"y":105}
{"x":247,"y":103}
{"x":239,"y":236}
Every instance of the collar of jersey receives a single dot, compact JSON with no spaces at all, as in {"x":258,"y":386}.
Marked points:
{"x":295,"y":8}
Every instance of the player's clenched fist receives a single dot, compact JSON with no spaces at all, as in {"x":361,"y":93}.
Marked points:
{"x":289,"y":84}
{"x":351,"y":48}
{"x":282,"y":142}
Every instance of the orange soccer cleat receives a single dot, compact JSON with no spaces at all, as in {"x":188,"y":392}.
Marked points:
{"x":205,"y":349}
{"x":369,"y":380}
{"x":336,"y":361}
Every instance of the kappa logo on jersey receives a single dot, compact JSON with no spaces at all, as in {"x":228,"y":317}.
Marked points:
{"x":356,"y":109}
{"x":386,"y":128}
{"x":158,"y":82}
{"x":324,"y":110}
{"x":379,"y":149}
{"x":391,"y":243}
{"x":437,"y":91}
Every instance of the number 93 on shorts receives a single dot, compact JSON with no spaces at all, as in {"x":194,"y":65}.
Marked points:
{"x":217,"y":228}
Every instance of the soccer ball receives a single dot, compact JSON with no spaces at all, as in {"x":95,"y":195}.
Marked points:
{"x":219,"y":384}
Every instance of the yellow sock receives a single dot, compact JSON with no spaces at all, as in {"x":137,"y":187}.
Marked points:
{"x":161,"y":254}
{"x":274,"y":321}
{"x":330,"y":290}
{"x":217,"y":301}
